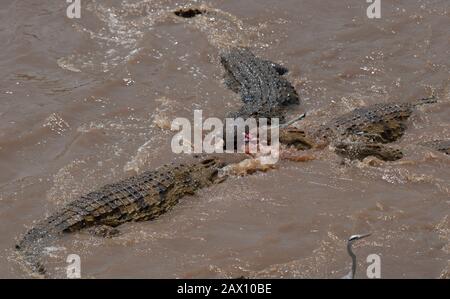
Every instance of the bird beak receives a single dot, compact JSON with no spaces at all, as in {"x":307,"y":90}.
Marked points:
{"x":302,"y":116}
{"x":365,"y":235}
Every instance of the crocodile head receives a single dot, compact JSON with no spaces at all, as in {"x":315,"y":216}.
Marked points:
{"x":297,"y":138}
{"x":205,"y":171}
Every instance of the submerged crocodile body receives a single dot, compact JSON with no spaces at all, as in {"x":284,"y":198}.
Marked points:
{"x":360,"y":133}
{"x":139,"y":198}
{"x":438,"y":145}
{"x":260,"y":84}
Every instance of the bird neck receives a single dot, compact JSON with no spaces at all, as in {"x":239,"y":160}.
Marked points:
{"x":353,"y":256}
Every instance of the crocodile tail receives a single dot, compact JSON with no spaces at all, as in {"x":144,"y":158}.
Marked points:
{"x":32,"y":261}
{"x":429,"y":100}
{"x":31,"y":249}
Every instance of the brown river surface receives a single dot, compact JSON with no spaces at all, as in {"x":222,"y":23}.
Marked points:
{"x":85,"y":102}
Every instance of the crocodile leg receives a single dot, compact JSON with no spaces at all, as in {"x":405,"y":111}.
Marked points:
{"x":361,"y":150}
{"x":281,"y":69}
{"x":104,"y":231}
{"x":382,"y":132}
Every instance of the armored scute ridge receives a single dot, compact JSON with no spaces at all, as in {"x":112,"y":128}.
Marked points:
{"x":360,"y":133}
{"x":260,"y":84}
{"x":139,"y":198}
{"x":382,"y":123}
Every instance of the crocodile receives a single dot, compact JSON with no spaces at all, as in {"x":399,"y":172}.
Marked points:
{"x":360,"y":133}
{"x":260,"y":84}
{"x":138,"y":198}
{"x":355,"y":135}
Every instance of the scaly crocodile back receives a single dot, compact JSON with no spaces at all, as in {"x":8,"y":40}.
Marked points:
{"x":259,"y":82}
{"x":382,"y":123}
{"x":142,"y":197}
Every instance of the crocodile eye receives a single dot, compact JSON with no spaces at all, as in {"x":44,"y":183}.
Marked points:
{"x":215,"y":173}
{"x":188,"y":13}
{"x":207,"y":161}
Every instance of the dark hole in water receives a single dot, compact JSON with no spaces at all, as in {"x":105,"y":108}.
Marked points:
{"x":188,"y":13}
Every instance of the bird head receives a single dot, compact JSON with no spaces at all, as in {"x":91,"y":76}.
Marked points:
{"x":354,"y":238}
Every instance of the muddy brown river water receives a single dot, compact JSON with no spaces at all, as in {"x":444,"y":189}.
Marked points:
{"x":85,"y":102}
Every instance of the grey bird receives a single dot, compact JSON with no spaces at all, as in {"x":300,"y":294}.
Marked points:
{"x":351,"y":240}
